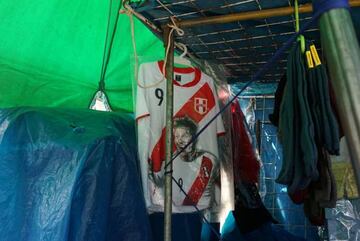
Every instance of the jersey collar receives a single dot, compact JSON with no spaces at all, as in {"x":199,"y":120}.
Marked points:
{"x":183,"y":71}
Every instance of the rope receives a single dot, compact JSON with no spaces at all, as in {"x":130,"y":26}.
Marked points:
{"x":319,"y":9}
{"x":259,"y":73}
{"x":106,"y":56}
{"x":320,"y":6}
{"x":269,"y":63}
{"x":101,"y":82}
{"x":179,"y":31}
{"x":323,"y":4}
{"x":165,"y":7}
{"x":129,"y":12}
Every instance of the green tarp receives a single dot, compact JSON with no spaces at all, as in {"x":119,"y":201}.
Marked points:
{"x":51,"y":53}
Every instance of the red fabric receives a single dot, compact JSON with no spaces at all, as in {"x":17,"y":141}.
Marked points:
{"x":197,"y":189}
{"x":246,"y":165}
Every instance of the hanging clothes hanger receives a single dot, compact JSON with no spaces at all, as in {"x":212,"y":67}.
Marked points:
{"x":181,"y":60}
{"x":301,"y":37}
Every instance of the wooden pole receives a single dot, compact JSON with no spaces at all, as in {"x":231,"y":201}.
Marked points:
{"x":169,"y":68}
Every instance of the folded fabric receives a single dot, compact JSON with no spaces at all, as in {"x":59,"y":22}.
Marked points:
{"x":330,"y":134}
{"x":296,"y":128}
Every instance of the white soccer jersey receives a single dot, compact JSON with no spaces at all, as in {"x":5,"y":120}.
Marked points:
{"x":194,"y":98}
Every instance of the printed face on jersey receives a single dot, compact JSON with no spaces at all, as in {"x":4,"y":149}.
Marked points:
{"x":182,"y":136}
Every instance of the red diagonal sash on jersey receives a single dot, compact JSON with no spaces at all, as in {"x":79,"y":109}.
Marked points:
{"x":196,"y":108}
{"x":199,"y":185}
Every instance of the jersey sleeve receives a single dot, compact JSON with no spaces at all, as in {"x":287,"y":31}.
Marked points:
{"x":143,"y":132}
{"x":143,"y":126}
{"x":141,"y":104}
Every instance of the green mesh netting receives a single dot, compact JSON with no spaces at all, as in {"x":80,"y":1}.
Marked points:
{"x":51,"y":53}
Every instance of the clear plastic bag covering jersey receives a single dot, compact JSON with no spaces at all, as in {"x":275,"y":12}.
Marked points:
{"x":69,"y":175}
{"x":199,"y":170}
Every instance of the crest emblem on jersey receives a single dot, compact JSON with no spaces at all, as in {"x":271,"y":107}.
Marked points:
{"x":201,"y":105}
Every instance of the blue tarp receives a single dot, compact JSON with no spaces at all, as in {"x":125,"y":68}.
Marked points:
{"x":69,"y":175}
{"x":266,"y":232}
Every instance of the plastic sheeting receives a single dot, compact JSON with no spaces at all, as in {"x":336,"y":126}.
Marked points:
{"x":267,"y":232}
{"x":69,"y":175}
{"x":344,"y":220}
{"x":51,"y":53}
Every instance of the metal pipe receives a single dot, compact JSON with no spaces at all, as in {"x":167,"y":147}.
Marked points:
{"x":342,"y":52}
{"x":169,"y":68}
{"x":261,"y":14}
